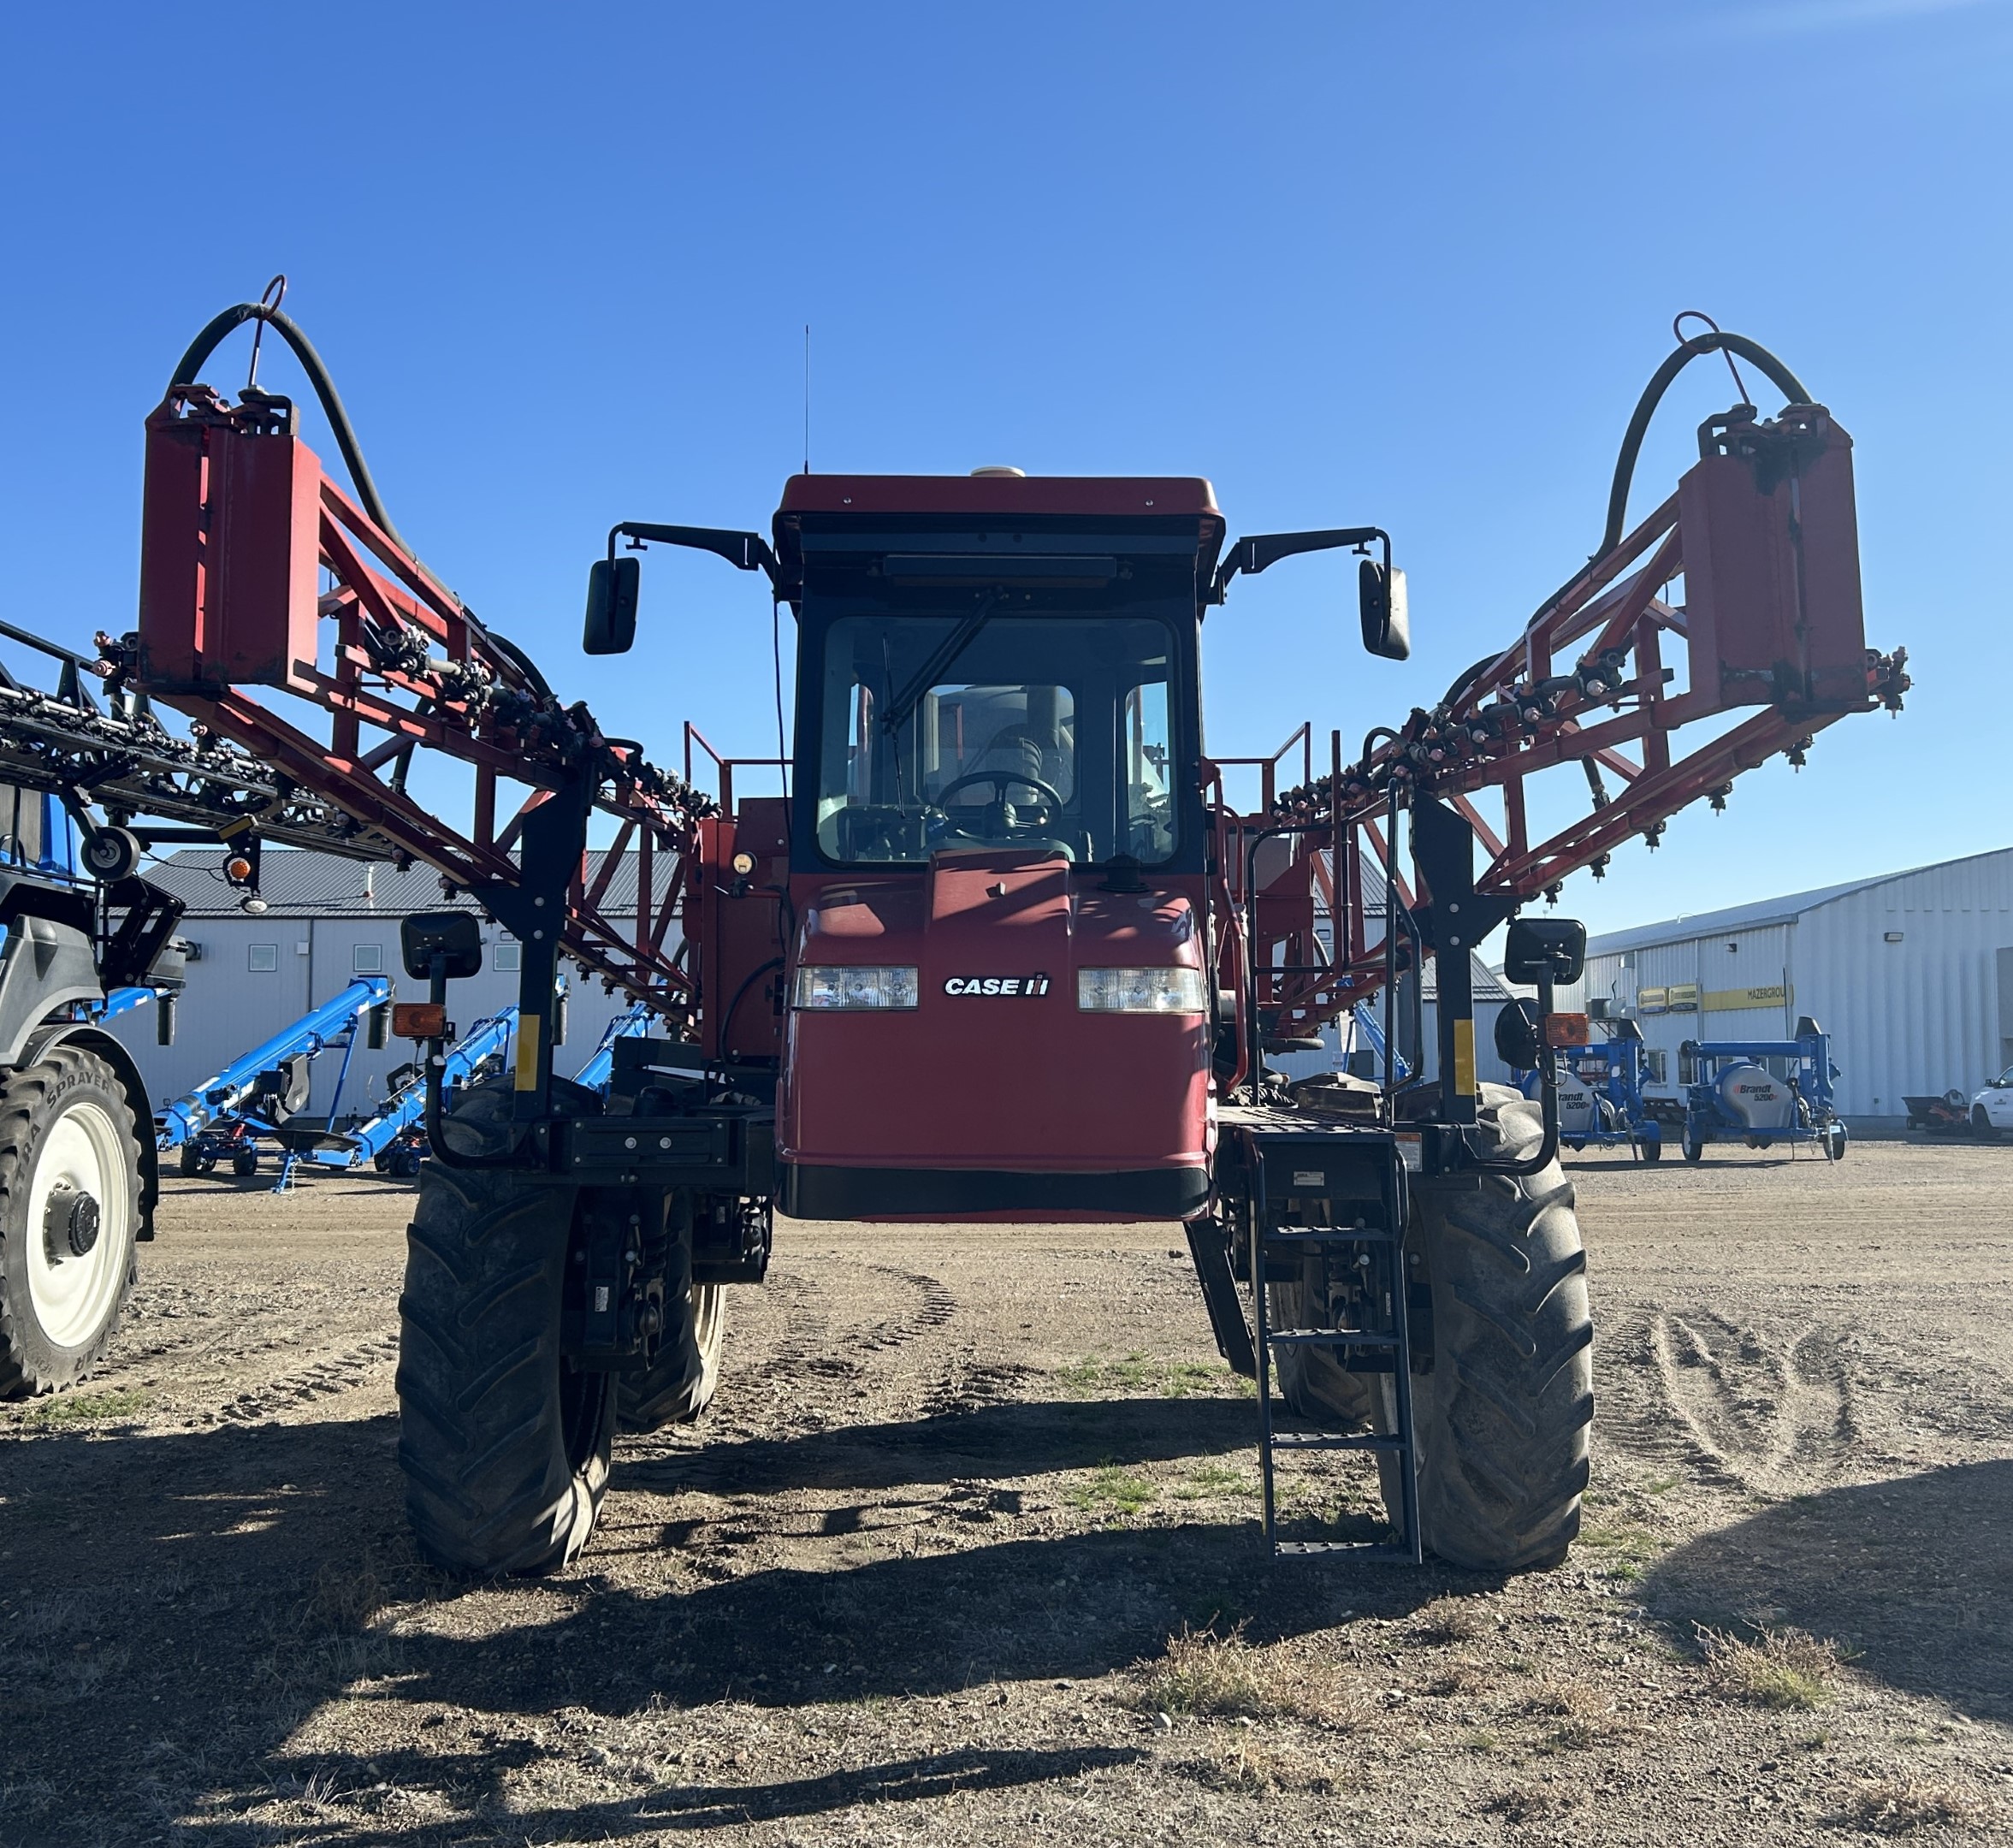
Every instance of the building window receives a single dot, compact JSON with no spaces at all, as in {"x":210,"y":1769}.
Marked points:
{"x":261,"y":957}
{"x":510,"y":956}
{"x":368,"y":959}
{"x":1658,"y":1060}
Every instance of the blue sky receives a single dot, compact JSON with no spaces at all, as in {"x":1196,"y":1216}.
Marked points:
{"x":1408,"y":265}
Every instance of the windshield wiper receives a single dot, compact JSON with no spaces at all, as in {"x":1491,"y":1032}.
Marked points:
{"x":948,"y":651}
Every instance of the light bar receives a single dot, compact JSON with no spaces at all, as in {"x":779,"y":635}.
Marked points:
{"x":846,"y":986}
{"x":1140,"y":990}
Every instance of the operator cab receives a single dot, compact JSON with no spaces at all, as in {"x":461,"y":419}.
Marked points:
{"x":1013,"y":673}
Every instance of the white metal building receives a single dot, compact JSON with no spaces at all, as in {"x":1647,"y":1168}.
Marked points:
{"x":1910,"y":973}
{"x":328,"y":920}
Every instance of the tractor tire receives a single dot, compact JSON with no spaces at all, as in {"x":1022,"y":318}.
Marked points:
{"x":1694,"y":1151}
{"x":189,"y":1161}
{"x":245,"y":1164}
{"x":1834,"y":1141}
{"x":1502,"y":1417}
{"x":1652,"y":1147}
{"x":680,"y":1381}
{"x":69,"y":1216}
{"x":1312,"y":1381}
{"x":504,"y":1442}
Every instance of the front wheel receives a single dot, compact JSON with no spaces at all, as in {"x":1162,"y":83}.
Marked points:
{"x":245,"y":1164}
{"x":1834,"y":1141}
{"x":1652,"y":1147}
{"x":69,"y":1214}
{"x":1695,"y":1150}
{"x":1502,"y":1417}
{"x":504,"y":1443}
{"x":1980,"y":1123}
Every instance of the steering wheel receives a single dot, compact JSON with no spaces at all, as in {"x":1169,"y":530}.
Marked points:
{"x":1001,"y":780}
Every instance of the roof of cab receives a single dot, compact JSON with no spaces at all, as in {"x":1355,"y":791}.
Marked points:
{"x":1027,"y":496}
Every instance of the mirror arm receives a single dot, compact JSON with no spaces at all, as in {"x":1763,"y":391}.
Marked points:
{"x":1254,"y":555}
{"x":1548,"y":1078}
{"x":744,"y":551}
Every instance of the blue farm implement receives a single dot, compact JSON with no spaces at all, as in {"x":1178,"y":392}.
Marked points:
{"x":255,"y":1095}
{"x":1603,"y":1096}
{"x":1761,"y":1092}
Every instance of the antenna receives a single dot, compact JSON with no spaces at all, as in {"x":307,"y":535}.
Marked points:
{"x":807,"y":397}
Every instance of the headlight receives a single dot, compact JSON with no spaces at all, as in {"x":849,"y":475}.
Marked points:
{"x":849,"y":987}
{"x":1140,"y":990}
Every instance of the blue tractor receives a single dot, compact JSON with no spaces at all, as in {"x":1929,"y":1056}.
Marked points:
{"x":1761,"y":1092}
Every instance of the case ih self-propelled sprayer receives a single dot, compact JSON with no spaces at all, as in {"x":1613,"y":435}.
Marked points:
{"x":1005,"y":951}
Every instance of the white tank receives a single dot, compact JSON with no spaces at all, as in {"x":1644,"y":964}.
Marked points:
{"x":1579,"y":1113}
{"x":1750,"y":1095}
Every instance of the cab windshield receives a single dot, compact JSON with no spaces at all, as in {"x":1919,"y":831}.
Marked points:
{"x":978,"y":728}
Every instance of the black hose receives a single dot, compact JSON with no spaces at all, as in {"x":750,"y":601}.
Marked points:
{"x":1780,"y":375}
{"x":212,"y":337}
{"x":1785,"y":381}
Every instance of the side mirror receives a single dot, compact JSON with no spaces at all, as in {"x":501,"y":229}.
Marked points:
{"x":457,"y":936}
{"x":1387,"y":620}
{"x":1540,"y":950}
{"x":611,"y":588}
{"x":1517,"y":1035}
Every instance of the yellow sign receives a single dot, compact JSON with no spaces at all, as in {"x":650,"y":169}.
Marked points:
{"x":1464,"y":1059}
{"x":1725,"y":1000}
{"x":1684,"y":998}
{"x":1652,"y":1000}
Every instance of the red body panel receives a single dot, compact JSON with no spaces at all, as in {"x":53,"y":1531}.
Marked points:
{"x":1011,"y":1082}
{"x":229,"y":553}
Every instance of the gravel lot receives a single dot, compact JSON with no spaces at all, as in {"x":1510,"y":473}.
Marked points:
{"x":966,"y":1553}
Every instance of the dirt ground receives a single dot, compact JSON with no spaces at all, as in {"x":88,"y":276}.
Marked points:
{"x":966,"y":1553}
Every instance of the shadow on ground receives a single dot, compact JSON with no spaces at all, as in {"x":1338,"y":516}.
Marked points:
{"x":198,"y":1595}
{"x":1004,"y":1439}
{"x":1915,"y":1574}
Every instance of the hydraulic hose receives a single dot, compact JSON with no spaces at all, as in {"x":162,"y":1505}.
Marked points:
{"x":1778,"y":375}
{"x":212,"y":337}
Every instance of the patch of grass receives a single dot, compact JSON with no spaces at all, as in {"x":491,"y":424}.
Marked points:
{"x":1461,"y":1678}
{"x":1204,"y":1674}
{"x":1790,"y":1670}
{"x":1110,"y":1490}
{"x":1581,"y":1715}
{"x":1660,"y":1486}
{"x":1138,"y":1374}
{"x":1482,"y":1741}
{"x":1214,"y":1481}
{"x":1900,"y":1806}
{"x":1252,"y":1767}
{"x":1450,"y":1619}
{"x":84,"y":1408}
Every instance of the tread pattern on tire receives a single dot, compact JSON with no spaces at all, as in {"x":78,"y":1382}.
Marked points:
{"x":680,"y":1381}
{"x":1503,"y":1417}
{"x":505,"y":1447}
{"x":28,"y":1364}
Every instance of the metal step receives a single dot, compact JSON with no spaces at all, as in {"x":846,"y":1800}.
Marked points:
{"x":1385,"y":1282}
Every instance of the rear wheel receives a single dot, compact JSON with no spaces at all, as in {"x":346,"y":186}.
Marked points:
{"x":1652,"y":1147}
{"x":1502,"y":1417}
{"x":245,"y":1164}
{"x":1980,"y":1123}
{"x":189,"y":1160}
{"x":504,"y":1442}
{"x":1834,"y":1141}
{"x":69,"y":1214}
{"x":1695,"y":1150}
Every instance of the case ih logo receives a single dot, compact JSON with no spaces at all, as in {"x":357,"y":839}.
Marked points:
{"x":1001,"y":986}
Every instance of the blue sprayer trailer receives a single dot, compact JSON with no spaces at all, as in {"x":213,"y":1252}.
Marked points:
{"x":1603,"y":1094}
{"x":1761,"y":1092}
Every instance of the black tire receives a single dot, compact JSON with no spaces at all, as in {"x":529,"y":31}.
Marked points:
{"x":504,"y":1443}
{"x":1503,"y":1415}
{"x":66,"y":1131}
{"x":1834,"y":1141}
{"x":1312,"y":1381}
{"x":678,"y":1385}
{"x":1694,"y":1151}
{"x":1652,"y":1147}
{"x":188,"y":1161}
{"x":1980,"y":1123}
{"x":245,"y":1164}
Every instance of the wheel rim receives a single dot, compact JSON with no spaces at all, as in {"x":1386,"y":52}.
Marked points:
{"x":79,"y":1225}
